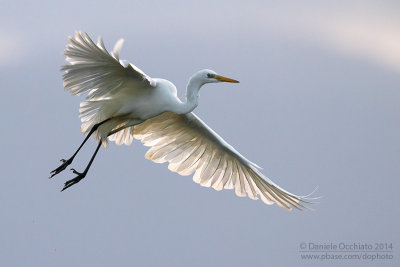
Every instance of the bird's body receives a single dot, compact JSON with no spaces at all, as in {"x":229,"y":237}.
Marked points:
{"x":128,"y":105}
{"x":124,"y":103}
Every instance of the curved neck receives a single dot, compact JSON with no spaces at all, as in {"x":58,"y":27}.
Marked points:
{"x":192,"y":97}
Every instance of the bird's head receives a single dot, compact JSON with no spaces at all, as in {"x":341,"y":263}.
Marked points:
{"x":210,"y":76}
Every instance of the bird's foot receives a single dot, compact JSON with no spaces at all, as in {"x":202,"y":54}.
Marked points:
{"x":62,"y":167}
{"x":76,"y":180}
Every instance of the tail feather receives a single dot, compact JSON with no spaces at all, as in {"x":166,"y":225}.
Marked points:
{"x":92,"y":112}
{"x":124,"y":136}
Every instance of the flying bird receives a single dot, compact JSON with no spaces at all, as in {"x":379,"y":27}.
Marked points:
{"x":124,"y":103}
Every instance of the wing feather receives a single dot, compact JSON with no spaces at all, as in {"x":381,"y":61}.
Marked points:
{"x":188,"y":166}
{"x":93,"y":68}
{"x":252,"y":193}
{"x":219,"y":174}
{"x":189,"y":145}
{"x":226,"y":182}
{"x":208,"y":173}
{"x":203,"y":163}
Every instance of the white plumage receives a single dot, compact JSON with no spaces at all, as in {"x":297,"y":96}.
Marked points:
{"x":124,"y":103}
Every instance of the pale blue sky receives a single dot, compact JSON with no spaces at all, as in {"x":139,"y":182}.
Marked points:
{"x":318,"y":105}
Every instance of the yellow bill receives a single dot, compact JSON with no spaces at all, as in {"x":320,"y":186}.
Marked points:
{"x":225,"y":79}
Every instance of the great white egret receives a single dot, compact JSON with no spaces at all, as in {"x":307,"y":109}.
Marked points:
{"x":124,"y":103}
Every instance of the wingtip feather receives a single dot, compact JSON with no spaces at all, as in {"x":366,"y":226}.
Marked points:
{"x":117,"y":48}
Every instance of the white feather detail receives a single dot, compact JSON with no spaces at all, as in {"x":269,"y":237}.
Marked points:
{"x":93,"y":68}
{"x":190,"y":146}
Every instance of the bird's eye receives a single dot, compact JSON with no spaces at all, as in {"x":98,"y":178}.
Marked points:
{"x":210,"y":75}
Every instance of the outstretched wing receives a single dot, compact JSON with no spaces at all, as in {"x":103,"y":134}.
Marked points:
{"x":189,"y":145}
{"x":94,"y":68}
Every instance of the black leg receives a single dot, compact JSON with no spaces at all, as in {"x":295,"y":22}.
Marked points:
{"x":82,"y":175}
{"x":65,"y":163}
